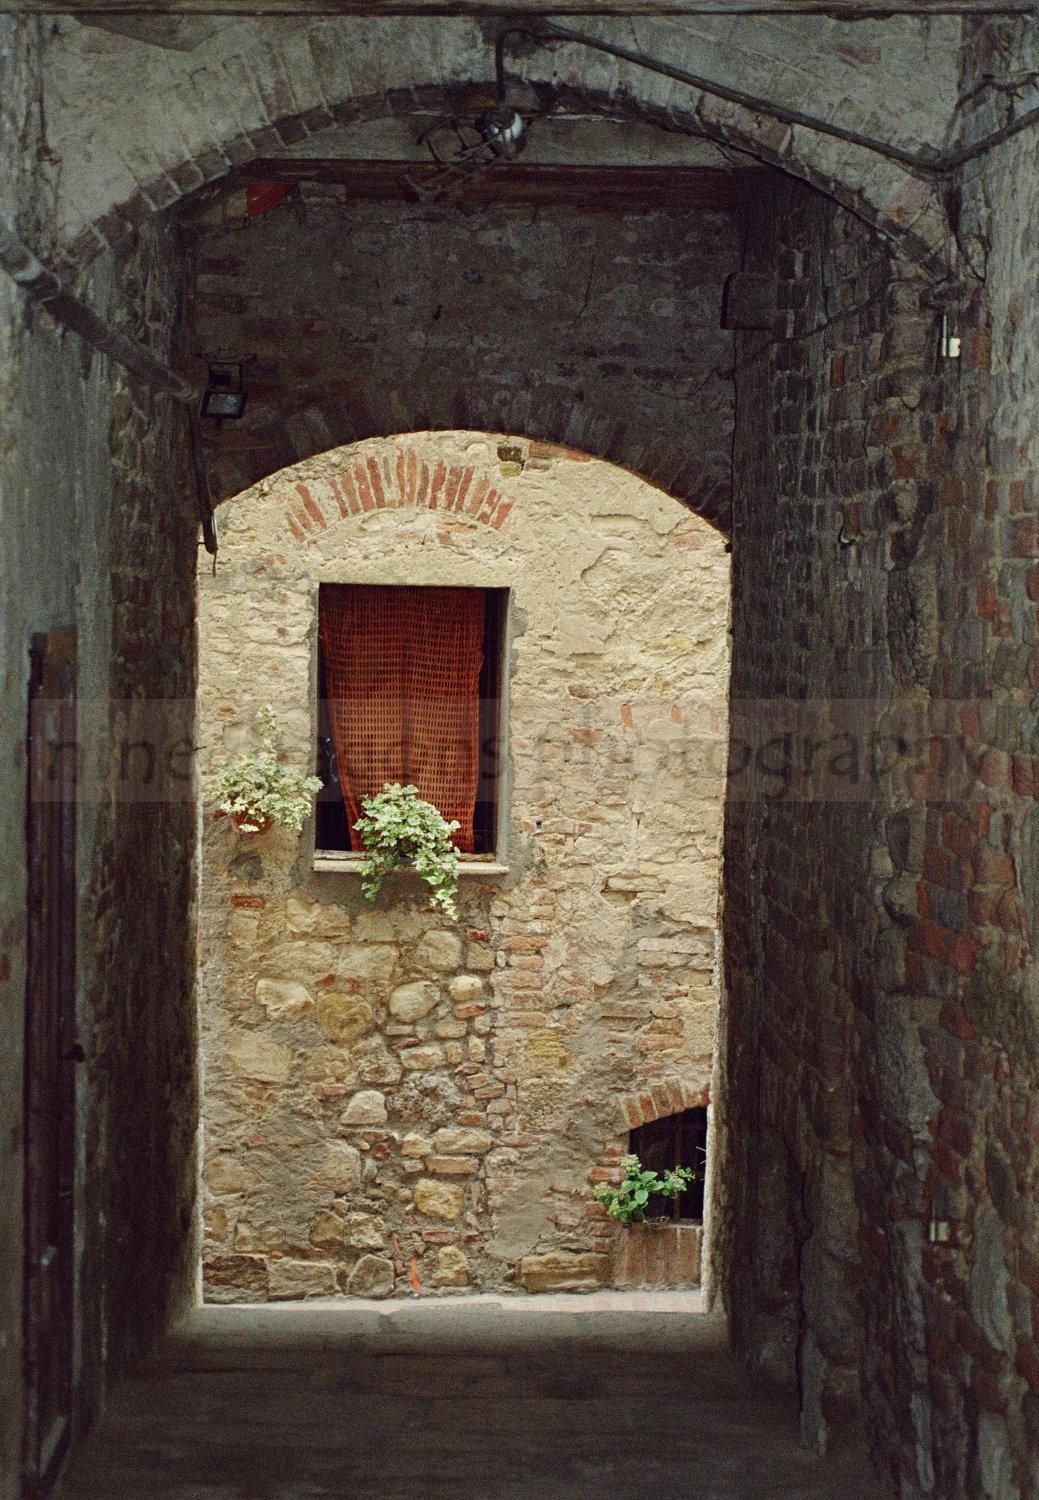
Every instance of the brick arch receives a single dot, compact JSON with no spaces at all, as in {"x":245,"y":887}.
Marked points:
{"x":668,"y":459}
{"x":221,"y":116}
{"x":406,"y":474}
{"x":667,"y":1096}
{"x":359,"y":482}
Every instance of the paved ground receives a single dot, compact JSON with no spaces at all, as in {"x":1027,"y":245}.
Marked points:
{"x":481,"y":1398}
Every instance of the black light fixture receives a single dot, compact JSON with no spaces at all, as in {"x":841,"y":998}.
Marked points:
{"x":224,"y":397}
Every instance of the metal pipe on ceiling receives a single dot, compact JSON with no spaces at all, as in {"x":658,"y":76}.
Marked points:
{"x":930,"y":161}
{"x":45,"y":288}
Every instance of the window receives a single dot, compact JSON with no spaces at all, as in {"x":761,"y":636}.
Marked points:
{"x":676,"y":1141}
{"x":409,"y":690}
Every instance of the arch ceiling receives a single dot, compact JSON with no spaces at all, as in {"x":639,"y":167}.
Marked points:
{"x":214,"y":93}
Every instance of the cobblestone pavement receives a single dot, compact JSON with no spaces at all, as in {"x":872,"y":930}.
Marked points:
{"x":486,"y":1398}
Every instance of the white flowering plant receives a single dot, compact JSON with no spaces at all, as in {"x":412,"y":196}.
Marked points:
{"x":399,"y":830}
{"x":256,"y":790}
{"x":627,"y":1202}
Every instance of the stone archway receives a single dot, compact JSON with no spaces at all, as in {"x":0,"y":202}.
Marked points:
{"x":254,"y":92}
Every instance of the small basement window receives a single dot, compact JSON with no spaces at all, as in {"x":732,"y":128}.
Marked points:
{"x":410,"y":690}
{"x":675,"y":1141}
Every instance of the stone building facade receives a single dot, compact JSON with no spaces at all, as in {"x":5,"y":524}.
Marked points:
{"x":394,"y":1099}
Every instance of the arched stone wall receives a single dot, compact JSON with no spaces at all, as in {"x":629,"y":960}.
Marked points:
{"x":256,"y":87}
{"x":383,"y":1083}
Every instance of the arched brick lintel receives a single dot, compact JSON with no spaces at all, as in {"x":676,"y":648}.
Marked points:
{"x":667,"y":1096}
{"x":670,"y":458}
{"x":406,"y":473}
{"x":903,"y":207}
{"x":404,"y":479}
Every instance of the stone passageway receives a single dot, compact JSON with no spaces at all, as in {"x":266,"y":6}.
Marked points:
{"x":535,"y":1398}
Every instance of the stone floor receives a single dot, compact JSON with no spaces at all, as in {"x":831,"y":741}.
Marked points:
{"x":475,"y":1398}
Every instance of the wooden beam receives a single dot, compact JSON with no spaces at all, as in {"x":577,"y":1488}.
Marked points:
{"x":608,"y":189}
{"x":851,"y":9}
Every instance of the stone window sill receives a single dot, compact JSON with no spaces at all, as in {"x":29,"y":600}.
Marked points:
{"x":333,"y":863}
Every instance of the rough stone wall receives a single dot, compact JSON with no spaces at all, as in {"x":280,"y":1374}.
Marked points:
{"x":87,"y":501}
{"x":388,"y":1093}
{"x":419,"y":317}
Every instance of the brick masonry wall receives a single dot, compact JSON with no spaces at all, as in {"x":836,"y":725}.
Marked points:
{"x":418,"y":317}
{"x":839,"y":488}
{"x":881,"y":1052}
{"x":394,"y":1099}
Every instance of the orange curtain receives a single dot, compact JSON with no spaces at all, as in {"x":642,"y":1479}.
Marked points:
{"x":402,"y":672}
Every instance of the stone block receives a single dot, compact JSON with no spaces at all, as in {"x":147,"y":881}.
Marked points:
{"x":455,"y":1140}
{"x":452,"y":1166}
{"x":371,"y":1277}
{"x":256,"y":1056}
{"x":328,"y":1231}
{"x":412,"y":1002}
{"x":301,"y":1278}
{"x":465,"y":989}
{"x":374,"y":961}
{"x":450,"y":1030}
{"x":331,"y":1064}
{"x":283,"y":997}
{"x":365,"y":1232}
{"x":240,"y":1275}
{"x":440,"y":951}
{"x":438,"y":1200}
{"x":416,"y":1145}
{"x":376,"y":1063}
{"x":423,"y":1059}
{"x":368,"y":1107}
{"x":344,"y":1018}
{"x":224,"y":1173}
{"x":563,"y":1271}
{"x":341,"y":1169}
{"x":452,"y":1267}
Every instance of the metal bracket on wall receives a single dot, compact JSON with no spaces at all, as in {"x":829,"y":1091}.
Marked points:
{"x":43,"y":287}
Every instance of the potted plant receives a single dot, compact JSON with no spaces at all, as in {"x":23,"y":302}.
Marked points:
{"x":255,"y":791}
{"x":627,"y":1201}
{"x":399,"y":830}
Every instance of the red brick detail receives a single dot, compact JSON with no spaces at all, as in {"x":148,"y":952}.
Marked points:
{"x":400,"y":481}
{"x":667,"y":1096}
{"x":658,"y":1255}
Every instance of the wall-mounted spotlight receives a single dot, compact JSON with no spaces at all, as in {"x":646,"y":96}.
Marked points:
{"x":225,"y":395}
{"x":503,"y":130}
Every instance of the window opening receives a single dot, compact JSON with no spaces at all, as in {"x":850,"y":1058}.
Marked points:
{"x":385,"y":644}
{"x":675,"y":1141}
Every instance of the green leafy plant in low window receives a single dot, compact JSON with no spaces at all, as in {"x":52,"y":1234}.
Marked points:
{"x":255,"y":790}
{"x":401,"y":831}
{"x":627,"y":1202}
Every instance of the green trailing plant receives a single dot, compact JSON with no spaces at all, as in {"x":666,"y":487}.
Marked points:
{"x":255,"y":790}
{"x":627,"y":1202}
{"x":401,"y":831}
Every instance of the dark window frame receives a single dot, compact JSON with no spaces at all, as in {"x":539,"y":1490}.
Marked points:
{"x":332,"y":836}
{"x":675,"y":1140}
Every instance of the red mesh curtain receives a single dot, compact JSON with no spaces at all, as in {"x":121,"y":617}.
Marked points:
{"x":402,"y":671}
